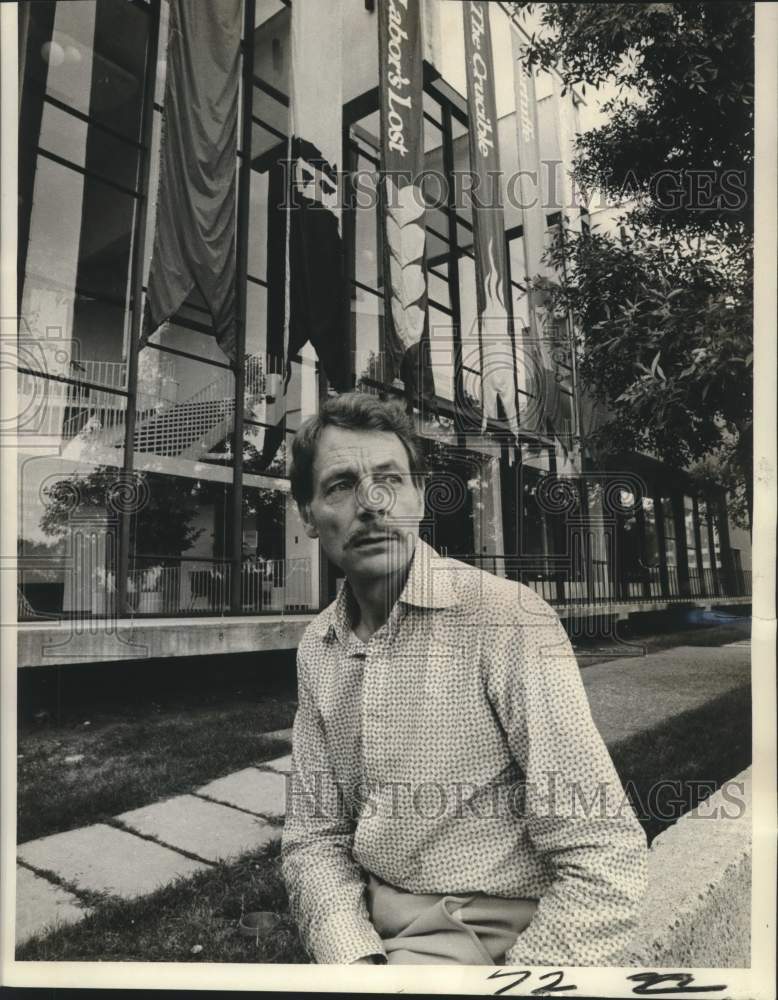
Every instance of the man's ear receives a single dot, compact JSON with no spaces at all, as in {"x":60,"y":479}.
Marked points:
{"x":305,"y":514}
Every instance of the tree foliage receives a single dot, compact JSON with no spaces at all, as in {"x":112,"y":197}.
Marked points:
{"x":162,"y":523}
{"x":666,"y":344}
{"x":664,"y":301}
{"x":682,"y":77}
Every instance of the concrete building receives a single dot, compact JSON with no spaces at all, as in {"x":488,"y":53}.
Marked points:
{"x":598,"y":543}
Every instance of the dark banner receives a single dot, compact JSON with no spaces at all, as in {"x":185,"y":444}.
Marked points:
{"x":498,"y":356}
{"x":402,"y":163}
{"x":194,"y":239}
{"x":306,"y":263}
{"x":316,"y":274}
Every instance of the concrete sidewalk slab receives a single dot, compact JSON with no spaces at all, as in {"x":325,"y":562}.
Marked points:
{"x":697,"y":912}
{"x":103,"y":859}
{"x":41,"y":906}
{"x":262,"y":792}
{"x":204,"y":828}
{"x":632,"y":695}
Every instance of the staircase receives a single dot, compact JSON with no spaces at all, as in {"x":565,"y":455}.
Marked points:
{"x":188,"y":428}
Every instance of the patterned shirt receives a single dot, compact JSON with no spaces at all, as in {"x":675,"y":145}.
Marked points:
{"x":454,"y":752}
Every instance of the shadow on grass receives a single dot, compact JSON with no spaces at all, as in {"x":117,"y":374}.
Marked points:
{"x":672,"y":768}
{"x":200,"y":913}
{"x":126,"y":765}
{"x":99,"y":739}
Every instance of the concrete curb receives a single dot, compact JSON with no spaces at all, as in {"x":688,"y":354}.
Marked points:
{"x":697,"y":913}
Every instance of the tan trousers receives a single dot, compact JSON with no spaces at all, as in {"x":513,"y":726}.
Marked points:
{"x":436,"y":929}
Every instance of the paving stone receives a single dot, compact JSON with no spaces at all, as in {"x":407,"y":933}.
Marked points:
{"x":42,"y":906}
{"x":279,"y":764}
{"x":258,"y":791}
{"x":104,"y":859}
{"x":204,"y":828}
{"x":279,"y":734}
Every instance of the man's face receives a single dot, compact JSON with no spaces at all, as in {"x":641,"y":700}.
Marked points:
{"x":365,"y":508}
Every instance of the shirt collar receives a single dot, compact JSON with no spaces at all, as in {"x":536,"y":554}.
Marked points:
{"x":429,"y":585}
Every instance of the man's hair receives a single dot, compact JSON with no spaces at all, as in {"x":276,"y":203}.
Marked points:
{"x":353,"y":411}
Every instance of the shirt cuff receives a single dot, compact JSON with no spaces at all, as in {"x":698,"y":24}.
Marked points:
{"x":344,"y":936}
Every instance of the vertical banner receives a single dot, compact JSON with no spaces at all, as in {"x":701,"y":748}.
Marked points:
{"x":498,"y":356}
{"x":533,"y":220}
{"x":402,"y":163}
{"x":316,"y":265}
{"x":194,"y":239}
{"x":306,"y":264}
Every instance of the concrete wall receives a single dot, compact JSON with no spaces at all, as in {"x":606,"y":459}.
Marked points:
{"x":698,"y":910}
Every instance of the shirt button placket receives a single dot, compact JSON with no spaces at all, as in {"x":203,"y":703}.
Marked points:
{"x":371,"y":721}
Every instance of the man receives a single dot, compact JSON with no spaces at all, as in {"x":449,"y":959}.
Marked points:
{"x":450,"y":799}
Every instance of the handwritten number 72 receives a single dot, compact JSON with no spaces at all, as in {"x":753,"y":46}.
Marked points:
{"x":523,"y":976}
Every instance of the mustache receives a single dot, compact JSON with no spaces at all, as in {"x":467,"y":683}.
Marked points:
{"x":362,"y":536}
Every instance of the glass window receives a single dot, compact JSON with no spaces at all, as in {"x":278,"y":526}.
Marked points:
{"x":438,"y":286}
{"x":367,"y":245}
{"x":279,"y":561}
{"x":187,"y":415}
{"x":74,"y":334}
{"x":80,"y":232}
{"x":256,"y":320}
{"x":263,"y":523}
{"x":179,"y":542}
{"x":533,"y":525}
{"x":441,"y":352}
{"x":68,"y":532}
{"x":257,"y":438}
{"x":651,"y":536}
{"x":367,"y":315}
{"x":691,"y":544}
{"x":92,"y":149}
{"x":95,"y":60}
{"x":271,"y":48}
{"x":702,"y":510}
{"x":669,"y":532}
{"x":258,"y":209}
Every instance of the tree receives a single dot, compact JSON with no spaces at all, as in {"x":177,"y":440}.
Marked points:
{"x":666,"y":343}
{"x":682,"y":76}
{"x":161,"y":524}
{"x":664,"y":308}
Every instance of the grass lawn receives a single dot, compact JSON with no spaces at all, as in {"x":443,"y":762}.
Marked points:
{"x":101,"y":749}
{"x":693,"y":753}
{"x":192,"y":920}
{"x":154,"y":736}
{"x":706,"y":744}
{"x":634,"y":642}
{"x":96,"y":741}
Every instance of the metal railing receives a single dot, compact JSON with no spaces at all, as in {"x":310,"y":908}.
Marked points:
{"x":194,"y":586}
{"x":273,"y":586}
{"x":597,"y":583}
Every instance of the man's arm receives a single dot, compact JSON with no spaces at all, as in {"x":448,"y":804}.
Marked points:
{"x":578,"y":818}
{"x":325,"y":885}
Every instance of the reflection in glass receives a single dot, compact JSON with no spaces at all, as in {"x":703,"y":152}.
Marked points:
{"x":95,"y":60}
{"x":668,"y":517}
{"x":186,"y":409}
{"x":68,"y":534}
